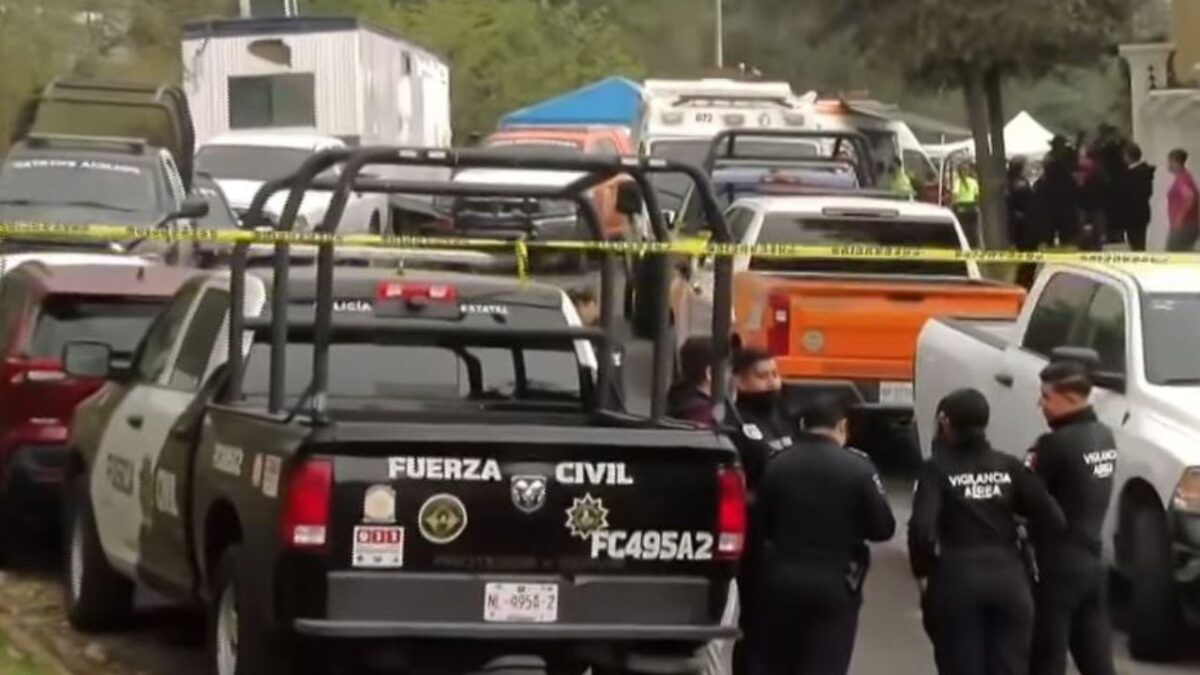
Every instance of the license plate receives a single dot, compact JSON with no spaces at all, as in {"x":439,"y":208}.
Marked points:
{"x":896,"y":392}
{"x":520,"y":603}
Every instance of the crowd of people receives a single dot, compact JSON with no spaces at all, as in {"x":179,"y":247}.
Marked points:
{"x":1089,"y":194}
{"x":995,"y":597}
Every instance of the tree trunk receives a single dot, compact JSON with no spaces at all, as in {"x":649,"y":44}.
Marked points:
{"x":990,"y":185}
{"x":995,"y":204}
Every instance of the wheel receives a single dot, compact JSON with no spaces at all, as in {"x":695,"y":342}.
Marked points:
{"x":1156,"y":618}
{"x":97,"y":597}
{"x":238,"y":641}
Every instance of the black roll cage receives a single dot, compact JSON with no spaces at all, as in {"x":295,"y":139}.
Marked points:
{"x":599,"y":168}
{"x":724,"y":146}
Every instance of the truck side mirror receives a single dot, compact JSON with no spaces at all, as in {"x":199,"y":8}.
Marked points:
{"x":88,"y":359}
{"x":1110,"y":380}
{"x":195,"y":206}
{"x":668,"y":216}
{"x":1084,"y":355}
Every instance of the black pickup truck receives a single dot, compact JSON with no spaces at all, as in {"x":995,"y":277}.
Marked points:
{"x":430,"y":474}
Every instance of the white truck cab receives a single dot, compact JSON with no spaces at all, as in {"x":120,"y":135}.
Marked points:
{"x":1141,"y":321}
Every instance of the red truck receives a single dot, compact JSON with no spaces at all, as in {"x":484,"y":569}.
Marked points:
{"x":46,"y":301}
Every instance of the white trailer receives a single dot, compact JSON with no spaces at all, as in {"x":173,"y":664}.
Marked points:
{"x":335,"y":76}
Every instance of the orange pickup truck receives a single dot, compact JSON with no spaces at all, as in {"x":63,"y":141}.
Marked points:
{"x":844,"y":326}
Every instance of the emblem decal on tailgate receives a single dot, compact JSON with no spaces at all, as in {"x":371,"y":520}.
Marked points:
{"x":379,"y":504}
{"x":528,"y":492}
{"x":586,"y":516}
{"x":442,"y":518}
{"x":378,"y":546}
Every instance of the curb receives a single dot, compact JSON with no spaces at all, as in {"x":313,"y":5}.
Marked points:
{"x":29,"y":644}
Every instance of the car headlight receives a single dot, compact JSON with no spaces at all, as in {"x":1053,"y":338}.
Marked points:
{"x":1187,"y":492}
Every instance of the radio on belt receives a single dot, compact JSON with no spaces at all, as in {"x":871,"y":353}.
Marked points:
{"x":431,"y":300}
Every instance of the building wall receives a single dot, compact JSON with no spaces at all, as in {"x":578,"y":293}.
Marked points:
{"x":1185,"y":33}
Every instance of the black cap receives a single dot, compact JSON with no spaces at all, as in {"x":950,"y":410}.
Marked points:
{"x":965,"y":409}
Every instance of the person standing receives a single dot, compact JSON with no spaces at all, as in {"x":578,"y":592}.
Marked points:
{"x":1023,"y":227}
{"x":963,"y":544}
{"x":1076,"y":461}
{"x":1141,"y":189}
{"x":691,"y":398}
{"x":1183,"y":212}
{"x":818,"y":505}
{"x":965,"y":201}
{"x":762,"y":431}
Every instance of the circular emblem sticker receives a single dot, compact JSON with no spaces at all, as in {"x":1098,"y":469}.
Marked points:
{"x":442,"y":518}
{"x":814,"y":340}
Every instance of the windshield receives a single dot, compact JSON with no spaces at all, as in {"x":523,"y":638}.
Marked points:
{"x":806,"y":229}
{"x":119,"y":186}
{"x":670,"y":187}
{"x":249,"y":162}
{"x":370,"y":375}
{"x":119,"y":322}
{"x":1170,"y":322}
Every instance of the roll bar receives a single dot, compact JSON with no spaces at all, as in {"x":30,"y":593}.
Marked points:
{"x":599,"y":168}
{"x":724,"y":144}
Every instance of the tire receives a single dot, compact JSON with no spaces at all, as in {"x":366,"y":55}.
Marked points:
{"x":96,"y":597}
{"x":237,"y":641}
{"x":1156,"y":618}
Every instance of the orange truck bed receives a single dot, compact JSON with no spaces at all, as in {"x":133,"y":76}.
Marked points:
{"x":826,"y":329}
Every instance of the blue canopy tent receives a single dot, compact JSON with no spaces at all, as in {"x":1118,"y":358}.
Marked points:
{"x":611,"y":101}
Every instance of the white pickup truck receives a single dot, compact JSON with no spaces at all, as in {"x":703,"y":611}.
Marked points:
{"x":1141,"y":321}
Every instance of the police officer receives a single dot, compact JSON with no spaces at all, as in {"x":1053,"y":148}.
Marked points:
{"x":819,"y":503}
{"x":963,"y":544}
{"x":761,"y":430}
{"x":1076,"y":461}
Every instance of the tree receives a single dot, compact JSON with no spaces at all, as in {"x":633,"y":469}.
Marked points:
{"x":978,"y":47}
{"x":505,"y":55}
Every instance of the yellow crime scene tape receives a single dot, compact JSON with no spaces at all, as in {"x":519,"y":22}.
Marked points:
{"x":694,"y":246}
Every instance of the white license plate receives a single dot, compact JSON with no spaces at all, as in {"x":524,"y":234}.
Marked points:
{"x":520,"y":603}
{"x":896,"y":392}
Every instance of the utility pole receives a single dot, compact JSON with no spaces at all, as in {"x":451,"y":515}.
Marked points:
{"x":720,"y":37}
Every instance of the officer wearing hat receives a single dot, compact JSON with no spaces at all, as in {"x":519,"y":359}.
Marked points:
{"x":964,"y":544}
{"x":814,"y":567}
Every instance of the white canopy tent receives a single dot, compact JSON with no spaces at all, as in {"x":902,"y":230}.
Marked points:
{"x":1023,"y":137}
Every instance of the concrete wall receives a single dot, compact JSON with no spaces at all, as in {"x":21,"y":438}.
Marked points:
{"x":1185,"y":33}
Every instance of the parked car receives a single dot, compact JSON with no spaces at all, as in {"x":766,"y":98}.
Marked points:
{"x":46,"y":302}
{"x":1140,"y":322}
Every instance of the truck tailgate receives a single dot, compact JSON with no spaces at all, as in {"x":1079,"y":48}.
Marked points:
{"x":529,"y":499}
{"x":852,"y":329}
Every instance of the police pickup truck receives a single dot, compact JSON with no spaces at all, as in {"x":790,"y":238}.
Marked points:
{"x":452,"y":487}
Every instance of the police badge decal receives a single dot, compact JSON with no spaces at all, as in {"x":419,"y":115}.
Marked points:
{"x":528,"y":492}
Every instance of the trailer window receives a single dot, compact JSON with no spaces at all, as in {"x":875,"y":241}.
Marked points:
{"x":272,"y":101}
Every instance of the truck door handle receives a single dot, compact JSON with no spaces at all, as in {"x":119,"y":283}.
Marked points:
{"x":135,"y":421}
{"x":1005,"y":379}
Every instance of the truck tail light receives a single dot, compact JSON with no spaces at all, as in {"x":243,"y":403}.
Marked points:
{"x":305,"y":519}
{"x":410,"y":291}
{"x":20,"y":370}
{"x":731,"y":512}
{"x":780,"y":327}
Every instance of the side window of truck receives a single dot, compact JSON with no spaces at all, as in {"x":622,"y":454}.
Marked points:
{"x":739,"y":220}
{"x":1104,"y":329}
{"x":197,"y":348}
{"x":1061,"y":306}
{"x":155,"y":348}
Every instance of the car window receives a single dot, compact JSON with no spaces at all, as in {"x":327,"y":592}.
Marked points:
{"x":119,"y":322}
{"x":155,"y":349}
{"x":197,"y":347}
{"x":1104,"y":329}
{"x":1059,"y":308}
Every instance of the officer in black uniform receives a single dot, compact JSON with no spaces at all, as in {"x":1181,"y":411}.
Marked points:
{"x":963,"y":544}
{"x":819,"y":503}
{"x":761,"y":429}
{"x":1076,"y":461}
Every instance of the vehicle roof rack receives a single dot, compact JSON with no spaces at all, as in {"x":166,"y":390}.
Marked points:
{"x":596,"y":169}
{"x":109,"y":109}
{"x":724,"y":146}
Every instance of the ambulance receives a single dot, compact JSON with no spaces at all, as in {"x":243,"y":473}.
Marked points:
{"x":682,"y":116}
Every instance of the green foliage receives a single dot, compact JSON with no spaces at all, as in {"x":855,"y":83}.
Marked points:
{"x":506,"y":54}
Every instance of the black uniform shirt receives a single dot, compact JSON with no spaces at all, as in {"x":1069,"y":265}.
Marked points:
{"x":763,"y":430}
{"x":820,"y":502}
{"x":968,"y":496}
{"x":1076,"y":461}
